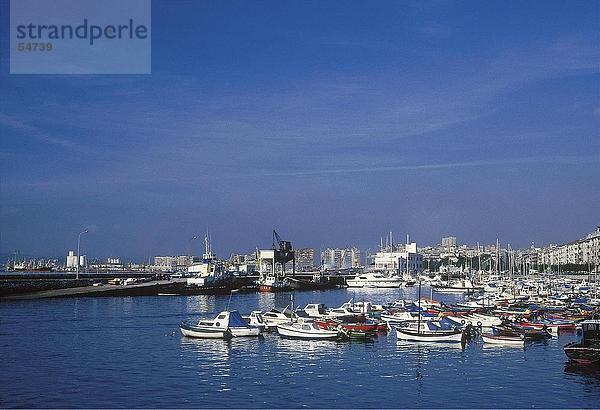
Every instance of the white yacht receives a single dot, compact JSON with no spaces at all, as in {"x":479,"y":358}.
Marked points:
{"x":374,"y":280}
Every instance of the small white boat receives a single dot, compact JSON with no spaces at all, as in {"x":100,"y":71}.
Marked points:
{"x":274,"y":317}
{"x":374,"y":280}
{"x":475,"y":319}
{"x":256,"y":319}
{"x":240,"y":328}
{"x":319,"y":311}
{"x":503,"y":340}
{"x":224,"y":326}
{"x":217,"y":328}
{"x":457,"y":286}
{"x":305,"y":330}
{"x":428,"y":332}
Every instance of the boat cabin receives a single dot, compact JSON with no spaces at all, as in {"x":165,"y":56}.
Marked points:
{"x":315,"y":310}
{"x":221,"y":321}
{"x":591,"y":332}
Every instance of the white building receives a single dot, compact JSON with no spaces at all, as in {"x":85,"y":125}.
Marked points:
{"x":399,"y":259}
{"x":165,"y":263}
{"x":449,"y":243}
{"x":584,"y":251}
{"x":71,"y":260}
{"x":341,"y":258}
{"x":305,"y":259}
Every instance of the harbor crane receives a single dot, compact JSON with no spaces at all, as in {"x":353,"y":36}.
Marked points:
{"x":283,"y":253}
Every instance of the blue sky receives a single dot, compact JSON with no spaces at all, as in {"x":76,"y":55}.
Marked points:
{"x":331,"y":122}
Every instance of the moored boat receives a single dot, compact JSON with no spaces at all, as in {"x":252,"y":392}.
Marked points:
{"x":305,"y":330}
{"x":503,"y":339}
{"x":374,"y":280}
{"x":217,"y":328}
{"x":587,"y":351}
{"x":240,"y":328}
{"x":272,"y":283}
{"x":428,"y":332}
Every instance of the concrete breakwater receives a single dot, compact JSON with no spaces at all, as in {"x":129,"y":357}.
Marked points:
{"x":19,"y":286}
{"x":49,"y":288}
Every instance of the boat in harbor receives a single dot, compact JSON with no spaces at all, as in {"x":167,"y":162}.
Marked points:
{"x":428,"y":332}
{"x":255,"y":319}
{"x":499,"y":339}
{"x":476,"y":319}
{"x":554,"y":326}
{"x":587,"y":351}
{"x":240,"y":328}
{"x":217,"y":328}
{"x":305,"y":330}
{"x":273,"y":283}
{"x":374,"y":280}
{"x":274,"y":317}
{"x":366,"y":326}
{"x":457,"y":286}
{"x":319,"y":311}
{"x":226,"y":325}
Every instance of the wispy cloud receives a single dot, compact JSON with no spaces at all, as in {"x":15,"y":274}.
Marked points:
{"x":32,"y":131}
{"x":570,"y":160}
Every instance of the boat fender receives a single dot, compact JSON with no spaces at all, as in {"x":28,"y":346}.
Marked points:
{"x":522,"y":336}
{"x":462,"y":322}
{"x":479,"y":324}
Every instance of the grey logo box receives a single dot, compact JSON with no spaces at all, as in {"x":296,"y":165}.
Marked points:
{"x":80,"y":37}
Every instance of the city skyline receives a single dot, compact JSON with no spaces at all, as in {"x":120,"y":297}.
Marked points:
{"x":447,"y":245}
{"x":332,"y":126}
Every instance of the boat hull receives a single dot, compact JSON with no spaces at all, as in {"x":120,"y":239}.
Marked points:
{"x":503,"y":340}
{"x":245,"y":331}
{"x":201,"y":332}
{"x":299,"y":334}
{"x":584,"y":355}
{"x":411,"y":336}
{"x":448,"y":289}
{"x":383,"y":285}
{"x":270,"y":288}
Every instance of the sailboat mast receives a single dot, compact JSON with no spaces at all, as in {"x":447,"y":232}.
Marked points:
{"x":419,"y":313}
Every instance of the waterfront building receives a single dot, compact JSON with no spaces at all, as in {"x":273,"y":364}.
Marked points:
{"x":585,"y":251}
{"x":305,"y":259}
{"x":183,"y":261}
{"x":242,"y":263}
{"x":399,"y":258}
{"x":449,"y":243}
{"x":341,"y":258}
{"x":71,"y":260}
{"x":165,"y":263}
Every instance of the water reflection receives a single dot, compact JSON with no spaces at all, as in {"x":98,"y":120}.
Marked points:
{"x":590,"y":373}
{"x":490,"y":347}
{"x":426,"y":347}
{"x":202,"y":304}
{"x":311,"y":350}
{"x":277,"y":300}
{"x":213,"y":350}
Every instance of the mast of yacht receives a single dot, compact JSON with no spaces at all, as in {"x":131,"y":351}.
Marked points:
{"x":479,"y":261}
{"x":419,"y":304}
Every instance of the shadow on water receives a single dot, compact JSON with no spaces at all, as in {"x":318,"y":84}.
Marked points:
{"x":590,"y":373}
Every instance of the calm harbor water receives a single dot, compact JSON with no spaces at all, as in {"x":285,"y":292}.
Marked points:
{"x":128,"y":352}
